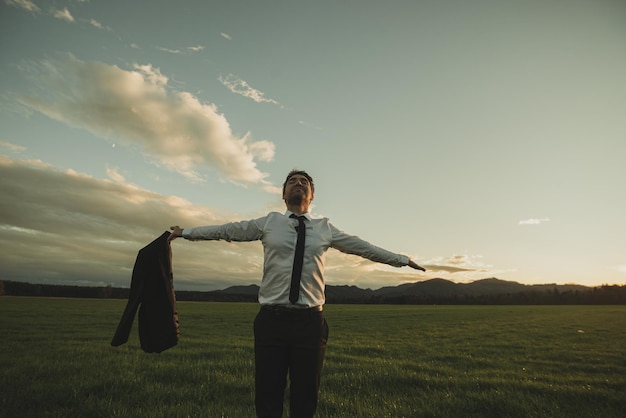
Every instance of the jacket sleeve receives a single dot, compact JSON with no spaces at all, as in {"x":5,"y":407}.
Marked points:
{"x":137,"y":284}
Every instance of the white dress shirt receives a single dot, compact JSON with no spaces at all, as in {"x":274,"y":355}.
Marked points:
{"x":278,"y":234}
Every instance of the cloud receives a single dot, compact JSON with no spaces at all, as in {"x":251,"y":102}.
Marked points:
{"x":621,"y":269}
{"x":303,"y":123}
{"x":196,"y":48}
{"x":95,"y":24}
{"x":24,"y":4}
{"x":438,"y":268}
{"x":136,"y":108}
{"x":114,"y":174}
{"x":12,"y":147}
{"x":239,"y":86}
{"x":60,"y":226}
{"x":171,"y":51}
{"x":533,"y":221}
{"x":458,"y":263}
{"x":226,"y":36}
{"x":98,"y":25}
{"x":63,"y":15}
{"x":459,"y":259}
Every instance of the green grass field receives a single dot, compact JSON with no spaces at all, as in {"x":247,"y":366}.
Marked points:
{"x":382,"y":361}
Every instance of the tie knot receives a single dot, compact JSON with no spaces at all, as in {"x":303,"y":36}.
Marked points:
{"x":300,"y":218}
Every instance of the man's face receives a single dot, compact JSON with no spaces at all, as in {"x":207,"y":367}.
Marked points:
{"x":298,"y":190}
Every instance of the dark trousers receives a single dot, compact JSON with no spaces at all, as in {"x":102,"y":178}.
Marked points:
{"x":288,"y":341}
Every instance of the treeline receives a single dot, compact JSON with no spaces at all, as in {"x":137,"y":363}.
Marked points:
{"x":601,"y":295}
{"x":11,"y":288}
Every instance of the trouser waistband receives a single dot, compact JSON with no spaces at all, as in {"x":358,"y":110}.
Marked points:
{"x":284,"y":311}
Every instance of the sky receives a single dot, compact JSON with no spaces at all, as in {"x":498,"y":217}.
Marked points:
{"x":482,"y":138}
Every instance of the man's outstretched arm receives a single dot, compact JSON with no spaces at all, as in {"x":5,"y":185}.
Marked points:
{"x":351,"y":244}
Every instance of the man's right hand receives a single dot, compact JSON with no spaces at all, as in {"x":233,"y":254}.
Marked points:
{"x":177,"y":232}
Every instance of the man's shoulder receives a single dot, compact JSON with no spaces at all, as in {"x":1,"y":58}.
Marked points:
{"x":274,"y":217}
{"x":320,"y":220}
{"x":313,"y":219}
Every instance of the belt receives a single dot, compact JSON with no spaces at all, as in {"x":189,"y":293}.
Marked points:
{"x":283,"y":311}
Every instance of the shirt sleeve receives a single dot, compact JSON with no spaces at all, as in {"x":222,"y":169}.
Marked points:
{"x":351,"y":244}
{"x":233,"y":231}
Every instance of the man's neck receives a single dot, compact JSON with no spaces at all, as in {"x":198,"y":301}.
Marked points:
{"x":298,"y":209}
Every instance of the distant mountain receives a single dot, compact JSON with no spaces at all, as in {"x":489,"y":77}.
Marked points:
{"x":492,"y":286}
{"x":433,"y":287}
{"x":427,"y":289}
{"x":434,"y":291}
{"x":251,"y":289}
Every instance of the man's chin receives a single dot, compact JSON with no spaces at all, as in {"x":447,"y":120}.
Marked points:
{"x":295,"y":199}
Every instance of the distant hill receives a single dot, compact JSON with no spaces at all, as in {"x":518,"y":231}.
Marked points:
{"x":433,"y":291}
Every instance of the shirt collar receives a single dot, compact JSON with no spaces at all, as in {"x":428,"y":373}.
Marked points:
{"x":306,"y":214}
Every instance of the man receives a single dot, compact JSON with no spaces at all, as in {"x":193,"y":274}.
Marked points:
{"x":290,"y":332}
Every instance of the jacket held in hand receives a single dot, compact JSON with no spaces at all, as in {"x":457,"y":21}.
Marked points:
{"x":152,"y":288}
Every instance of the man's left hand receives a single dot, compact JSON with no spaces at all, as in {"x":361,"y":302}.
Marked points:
{"x":412,"y":264}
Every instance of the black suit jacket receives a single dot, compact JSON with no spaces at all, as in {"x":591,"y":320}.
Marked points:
{"x":152,"y":288}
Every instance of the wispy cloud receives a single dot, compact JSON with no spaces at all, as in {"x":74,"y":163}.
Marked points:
{"x":459,"y":259}
{"x":63,"y":15}
{"x":533,"y":221}
{"x":171,"y":51}
{"x":113,"y":173}
{"x":621,"y":269}
{"x":12,"y":147}
{"x":98,"y":25}
{"x":303,"y":123}
{"x":226,"y":36}
{"x":458,"y":263}
{"x":239,"y":86}
{"x":24,"y":4}
{"x":196,"y":48}
{"x":439,"y":268}
{"x":136,"y":107}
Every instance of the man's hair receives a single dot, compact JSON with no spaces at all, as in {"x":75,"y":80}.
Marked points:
{"x":302,"y":173}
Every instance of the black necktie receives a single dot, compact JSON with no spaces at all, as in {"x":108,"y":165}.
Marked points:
{"x":296,"y":273}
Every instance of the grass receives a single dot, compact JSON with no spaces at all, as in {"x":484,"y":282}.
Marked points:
{"x":382,"y":361}
{"x":516,"y":361}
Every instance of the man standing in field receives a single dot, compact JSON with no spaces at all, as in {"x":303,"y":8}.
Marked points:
{"x":290,"y":332}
